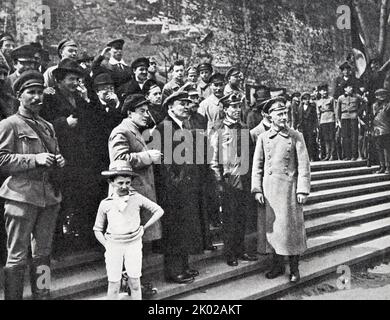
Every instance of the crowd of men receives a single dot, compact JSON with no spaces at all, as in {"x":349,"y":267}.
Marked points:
{"x":84,"y":113}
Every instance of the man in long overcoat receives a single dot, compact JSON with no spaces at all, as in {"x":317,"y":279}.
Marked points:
{"x":178,"y":179}
{"x":281,"y":182}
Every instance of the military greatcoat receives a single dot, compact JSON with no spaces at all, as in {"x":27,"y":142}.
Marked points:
{"x":281,"y":170}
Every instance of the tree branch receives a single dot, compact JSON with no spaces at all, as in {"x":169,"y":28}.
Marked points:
{"x":382,"y":29}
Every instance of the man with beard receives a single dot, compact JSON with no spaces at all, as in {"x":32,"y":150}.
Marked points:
{"x":281,"y":183}
{"x":70,"y":115}
{"x":211,"y":107}
{"x":28,"y":154}
{"x":177,"y":79}
{"x":66,"y":49}
{"x":176,"y":183}
{"x":7,"y":44}
{"x":152,"y":93}
{"x":24,"y":59}
{"x":205,"y":70}
{"x":139,"y":68}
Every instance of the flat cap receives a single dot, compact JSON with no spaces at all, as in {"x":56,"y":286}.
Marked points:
{"x":25,"y":53}
{"x":149,"y":85}
{"x":116,"y":44}
{"x":29,"y":78}
{"x":140,"y":62}
{"x":65,"y":43}
{"x":178,"y":95}
{"x":217,"y":78}
{"x":134,"y":101}
{"x":205,"y":66}
{"x":102,"y":78}
{"x":274,"y":104}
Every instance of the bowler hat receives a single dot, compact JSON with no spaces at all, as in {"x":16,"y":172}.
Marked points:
{"x":29,"y":78}
{"x":68,"y":66}
{"x":273,"y":105}
{"x":217,"y":78}
{"x":178,"y":95}
{"x":25,"y":53}
{"x":140,"y":62}
{"x":205,"y":66}
{"x":149,"y":85}
{"x":134,"y":101}
{"x":65,"y":43}
{"x":102,"y":78}
{"x":119,"y":168}
{"x":116,"y":44}
{"x":345,"y":65}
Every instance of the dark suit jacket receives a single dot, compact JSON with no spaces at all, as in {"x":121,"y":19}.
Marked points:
{"x":127,"y":89}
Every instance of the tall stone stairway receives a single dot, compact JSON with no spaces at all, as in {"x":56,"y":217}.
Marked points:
{"x":347,"y":219}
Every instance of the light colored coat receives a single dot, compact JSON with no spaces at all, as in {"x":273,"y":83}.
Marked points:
{"x":127,"y":143}
{"x":281,"y":170}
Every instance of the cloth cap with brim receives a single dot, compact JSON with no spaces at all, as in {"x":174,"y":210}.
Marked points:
{"x":28,"y":79}
{"x":4,"y":67}
{"x":67,"y":66}
{"x":217,"y":78}
{"x":149,"y":85}
{"x":133,"y":102}
{"x":274,"y":104}
{"x":65,"y":43}
{"x":25,"y":53}
{"x":190,"y":88}
{"x":176,"y":96}
{"x":323,"y":87}
{"x":231,"y":99}
{"x":192,"y":71}
{"x":205,"y":66}
{"x":232,"y":72}
{"x":140,"y":62}
{"x":102,"y":79}
{"x":116,"y":44}
{"x":6,"y":37}
{"x":119,"y":168}
{"x":345,"y":65}
{"x":382,"y":92}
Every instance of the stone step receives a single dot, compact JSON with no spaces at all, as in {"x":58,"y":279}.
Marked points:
{"x":256,"y":286}
{"x":347,"y":181}
{"x":344,"y":172}
{"x":347,"y":217}
{"x":328,"y":207}
{"x":326,"y":195}
{"x":333,"y":165}
{"x":216,"y":270}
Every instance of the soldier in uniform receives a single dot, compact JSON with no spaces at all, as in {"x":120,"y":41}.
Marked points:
{"x":7,"y":44}
{"x":263,"y":126}
{"x":281,"y":183}
{"x":230,"y":165}
{"x":205,"y":70}
{"x":381,"y":128}
{"x":28,"y":153}
{"x":177,"y":80}
{"x":348,"y":108}
{"x":66,"y":49}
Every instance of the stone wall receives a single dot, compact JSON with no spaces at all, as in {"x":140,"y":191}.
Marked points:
{"x":293,"y":44}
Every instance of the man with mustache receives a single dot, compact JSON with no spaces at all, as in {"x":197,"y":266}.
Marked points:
{"x":28,"y":153}
{"x":281,"y":184}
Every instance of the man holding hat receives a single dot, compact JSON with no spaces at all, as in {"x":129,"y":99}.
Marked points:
{"x":254,"y":116}
{"x":66,"y":49}
{"x":205,"y":70}
{"x":7,"y":44}
{"x":381,"y":128}
{"x":177,"y":80}
{"x":29,"y":153}
{"x":139,"y":68}
{"x":24,"y":59}
{"x":177,"y":181}
{"x":281,"y":183}
{"x":230,"y":163}
{"x":211,"y":107}
{"x":152,"y":92}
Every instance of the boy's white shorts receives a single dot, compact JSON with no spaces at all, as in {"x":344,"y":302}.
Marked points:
{"x":130,"y":253}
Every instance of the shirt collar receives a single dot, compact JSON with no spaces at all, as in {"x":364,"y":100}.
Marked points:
{"x":178,"y":122}
{"x":273,"y":132}
{"x":113,"y":61}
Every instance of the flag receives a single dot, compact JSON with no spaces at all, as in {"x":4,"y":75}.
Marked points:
{"x":358,"y":45}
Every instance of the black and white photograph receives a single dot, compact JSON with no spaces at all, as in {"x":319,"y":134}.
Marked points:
{"x":192,"y":150}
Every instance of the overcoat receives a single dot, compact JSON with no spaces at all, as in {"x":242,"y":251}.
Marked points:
{"x":176,"y":186}
{"x":127,"y":143}
{"x":281,"y":170}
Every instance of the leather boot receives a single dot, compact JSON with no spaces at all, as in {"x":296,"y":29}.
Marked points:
{"x":14,"y":282}
{"x":294,"y":269}
{"x":387,"y":169}
{"x":382,"y":169}
{"x":278,"y":267}
{"x":40,"y":278}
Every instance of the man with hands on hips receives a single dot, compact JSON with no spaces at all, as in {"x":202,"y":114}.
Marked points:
{"x":281,"y":184}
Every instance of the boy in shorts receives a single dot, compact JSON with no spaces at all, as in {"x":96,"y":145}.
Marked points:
{"x":122,"y":239}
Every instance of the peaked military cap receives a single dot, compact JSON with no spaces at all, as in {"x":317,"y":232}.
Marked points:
{"x":234,"y":71}
{"x":323,"y":87}
{"x":134,"y":101}
{"x":140,"y":62}
{"x":116,"y":44}
{"x":217,"y":78}
{"x":25,"y":53}
{"x":178,"y":95}
{"x":205,"y":66}
{"x":232,"y":98}
{"x":149,"y":85}
{"x":274,"y":104}
{"x":65,"y":43}
{"x":29,"y":78}
{"x":192,"y":70}
{"x":382,"y":92}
